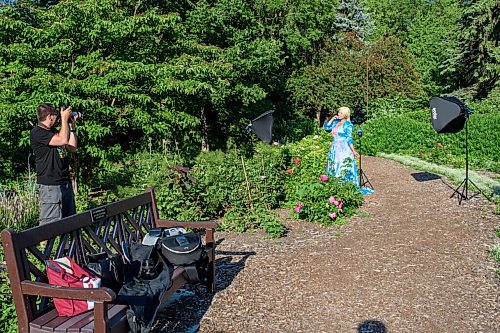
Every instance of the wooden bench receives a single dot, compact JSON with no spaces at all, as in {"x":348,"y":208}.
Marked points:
{"x":98,"y":230}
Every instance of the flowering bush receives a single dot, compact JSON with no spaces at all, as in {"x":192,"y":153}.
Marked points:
{"x":310,"y":193}
{"x":326,"y":202}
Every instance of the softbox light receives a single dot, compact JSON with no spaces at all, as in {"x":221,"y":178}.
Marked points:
{"x":448,"y":114}
{"x":262,"y":126}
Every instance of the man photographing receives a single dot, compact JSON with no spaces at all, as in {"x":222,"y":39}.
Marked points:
{"x":51,"y":151}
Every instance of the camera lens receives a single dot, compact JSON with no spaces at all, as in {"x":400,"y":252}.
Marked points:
{"x":148,"y":269}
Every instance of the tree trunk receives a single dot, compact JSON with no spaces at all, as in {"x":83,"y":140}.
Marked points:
{"x":204,"y":130}
{"x":318,"y":116}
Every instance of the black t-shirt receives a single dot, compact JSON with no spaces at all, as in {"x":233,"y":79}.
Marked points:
{"x":52,"y":163}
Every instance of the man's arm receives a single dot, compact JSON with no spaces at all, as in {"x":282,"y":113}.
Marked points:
{"x":72,"y":143}
{"x":61,"y":138}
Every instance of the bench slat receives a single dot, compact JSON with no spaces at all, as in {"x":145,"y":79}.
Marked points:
{"x":63,"y":327}
{"x":97,"y":240}
{"x":133,"y":222}
{"x":131,"y":237}
{"x":44,"y":319}
{"x":114,"y":314}
{"x":76,"y":327}
{"x":87,"y":322}
{"x":58,"y":321}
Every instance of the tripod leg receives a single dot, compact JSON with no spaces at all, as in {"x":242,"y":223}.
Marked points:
{"x":364,"y":180}
{"x":479,"y":191}
{"x":464,"y":189}
{"x":456,"y":191}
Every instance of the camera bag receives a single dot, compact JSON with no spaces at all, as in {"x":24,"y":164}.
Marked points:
{"x":188,"y":251}
{"x":109,"y":267}
{"x":147,"y":280}
{"x":182,"y":250}
{"x":155,"y":234}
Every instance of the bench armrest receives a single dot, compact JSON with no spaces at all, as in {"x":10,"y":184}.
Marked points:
{"x":44,"y":289}
{"x":188,"y":224}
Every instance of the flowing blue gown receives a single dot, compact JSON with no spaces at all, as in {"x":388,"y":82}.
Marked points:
{"x":341,"y":162}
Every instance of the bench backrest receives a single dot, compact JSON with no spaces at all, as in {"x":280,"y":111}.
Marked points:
{"x":102,"y":229}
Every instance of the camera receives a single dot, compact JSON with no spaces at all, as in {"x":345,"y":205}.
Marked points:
{"x":73,"y":113}
{"x":149,"y":269}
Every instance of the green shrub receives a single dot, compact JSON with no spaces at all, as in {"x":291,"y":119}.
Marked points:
{"x":271,"y":225}
{"x":228,"y":180}
{"x":220,"y":182}
{"x":392,"y":106}
{"x":177,"y":197}
{"x":243,"y":190}
{"x":412,"y":134}
{"x":140,"y":171}
{"x":162,"y":172}
{"x":290,"y":131}
{"x":240,"y":220}
{"x":8,"y":318}
{"x":217,"y":183}
{"x":312,"y":152}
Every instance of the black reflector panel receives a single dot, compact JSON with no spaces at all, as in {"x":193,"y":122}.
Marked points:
{"x":448,"y":114}
{"x":263,"y":125}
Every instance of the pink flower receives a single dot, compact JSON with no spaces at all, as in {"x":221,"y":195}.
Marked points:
{"x":340,"y":204}
{"x":332,"y":215}
{"x":289,"y":171}
{"x":333,"y":201}
{"x":296,"y":160}
{"x":323,"y":178}
{"x":298,"y":207}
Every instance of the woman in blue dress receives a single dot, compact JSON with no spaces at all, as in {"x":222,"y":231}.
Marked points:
{"x":341,"y":157}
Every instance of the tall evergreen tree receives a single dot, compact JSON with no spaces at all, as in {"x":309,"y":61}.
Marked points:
{"x":476,"y":65}
{"x":353,"y":18}
{"x":431,"y":38}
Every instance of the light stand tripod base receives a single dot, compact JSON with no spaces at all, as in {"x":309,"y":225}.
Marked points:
{"x":363,"y":180}
{"x":464,"y":185}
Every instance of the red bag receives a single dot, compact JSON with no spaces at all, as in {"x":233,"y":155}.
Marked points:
{"x":66,"y":273}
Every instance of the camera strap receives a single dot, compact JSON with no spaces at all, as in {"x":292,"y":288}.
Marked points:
{"x":41,"y":125}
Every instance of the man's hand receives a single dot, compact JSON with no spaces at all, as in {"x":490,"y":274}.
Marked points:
{"x":66,"y":113}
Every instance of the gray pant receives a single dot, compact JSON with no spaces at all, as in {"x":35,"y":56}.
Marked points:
{"x":56,"y":202}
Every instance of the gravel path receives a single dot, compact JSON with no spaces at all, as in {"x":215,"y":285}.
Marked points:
{"x":413,"y":260}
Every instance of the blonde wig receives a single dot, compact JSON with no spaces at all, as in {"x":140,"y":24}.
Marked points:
{"x":346,"y":111}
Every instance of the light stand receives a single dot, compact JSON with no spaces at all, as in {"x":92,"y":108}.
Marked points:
{"x":363,"y":179}
{"x":464,"y":185}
